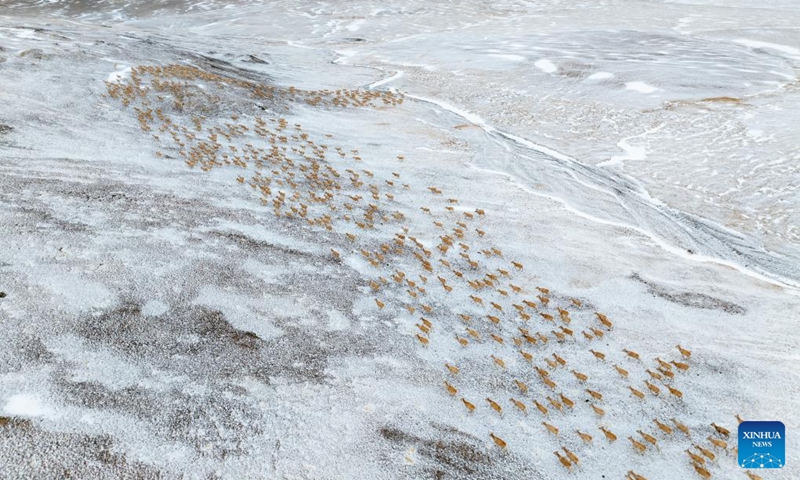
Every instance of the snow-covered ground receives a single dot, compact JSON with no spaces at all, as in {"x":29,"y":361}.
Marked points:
{"x":332,"y":239}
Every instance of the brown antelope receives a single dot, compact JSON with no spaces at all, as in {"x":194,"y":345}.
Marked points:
{"x":609,"y":435}
{"x":639,"y":394}
{"x":621,"y":371}
{"x":674,"y":391}
{"x":564,"y":461}
{"x":631,"y":353}
{"x":540,"y":407}
{"x":695,"y":458}
{"x":683,"y":428}
{"x":569,"y":403}
{"x":649,"y":438}
{"x":718,"y":443}
{"x":680,"y":366}
{"x":453,"y":369}
{"x":470,"y":406}
{"x":640,"y":447}
{"x":559,"y":359}
{"x":580,"y":376}
{"x":634,"y":476}
{"x":584,"y":436}
{"x":706,"y":452}
{"x":721,"y":430}
{"x":594,"y":394}
{"x":527,"y":356}
{"x":542,"y":338}
{"x":495,"y":406}
{"x":450,"y":389}
{"x":598,"y":333}
{"x":701,"y":471}
{"x":499,"y":362}
{"x":571,"y":455}
{"x":498,"y":441}
{"x":598,"y":355}
{"x":663,"y":427}
{"x":739,"y":419}
{"x":423,"y":340}
{"x":654,"y":375}
{"x":520,"y":406}
{"x":604,"y":320}
{"x":653,"y":389}
{"x":663,"y":364}
{"x":599,"y":411}
{"x":550,"y":428}
{"x":522,"y":386}
{"x":554,"y":403}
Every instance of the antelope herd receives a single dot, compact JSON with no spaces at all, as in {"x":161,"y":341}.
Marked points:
{"x":481,"y":297}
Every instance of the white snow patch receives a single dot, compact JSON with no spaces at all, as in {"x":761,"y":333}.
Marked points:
{"x":774,"y":46}
{"x":79,"y":292}
{"x":154,"y":308}
{"x":632,"y":152}
{"x":24,"y":405}
{"x":384,"y":81}
{"x":355,"y":26}
{"x":640,"y":87}
{"x":601,"y":76}
{"x":507,"y":56}
{"x":545,"y":65}
{"x":337,"y":321}
{"x":119,"y":75}
{"x":253,"y":314}
{"x":95,"y":365}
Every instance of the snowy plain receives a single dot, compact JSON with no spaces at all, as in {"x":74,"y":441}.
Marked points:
{"x":635,"y":158}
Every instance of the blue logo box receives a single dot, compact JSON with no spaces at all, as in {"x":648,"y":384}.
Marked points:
{"x":762,"y":445}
